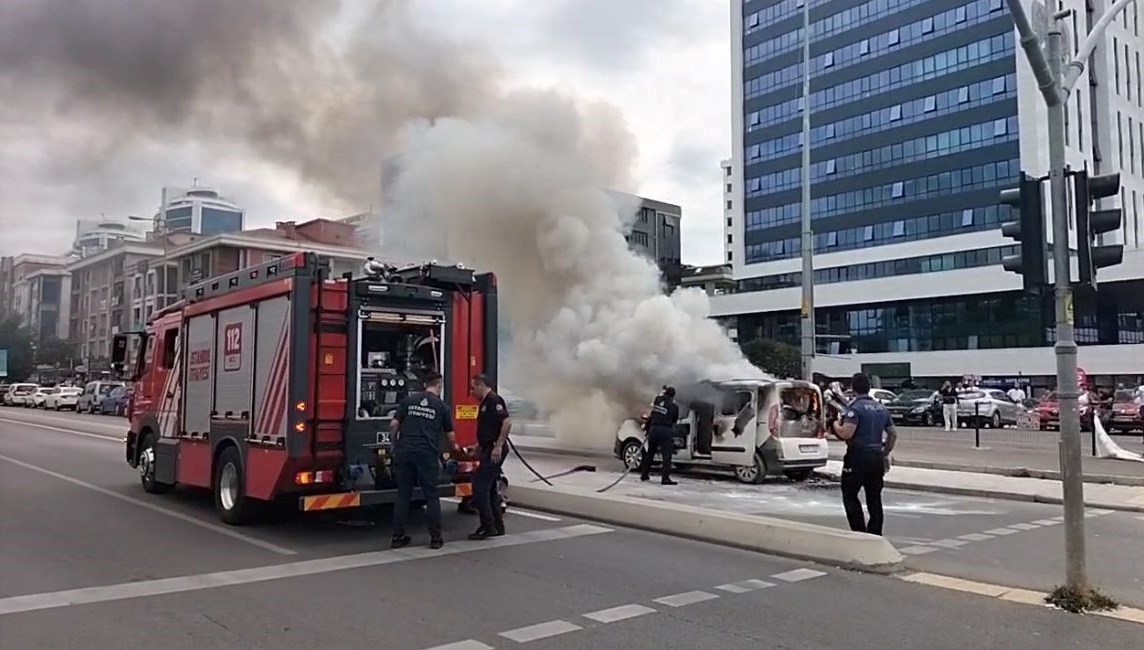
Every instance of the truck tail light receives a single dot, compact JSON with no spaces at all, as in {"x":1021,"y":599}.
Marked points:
{"x":300,"y":427}
{"x":312,"y":478}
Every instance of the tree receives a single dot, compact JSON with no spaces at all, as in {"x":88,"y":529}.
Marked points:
{"x":17,"y":340}
{"x":777,"y":358}
{"x":56,"y":352}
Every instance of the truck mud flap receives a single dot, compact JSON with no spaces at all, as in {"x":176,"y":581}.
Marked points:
{"x":340,"y":500}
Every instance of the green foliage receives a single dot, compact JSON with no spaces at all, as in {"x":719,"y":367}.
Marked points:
{"x":56,"y":352}
{"x":774,"y":357}
{"x":18,"y":341}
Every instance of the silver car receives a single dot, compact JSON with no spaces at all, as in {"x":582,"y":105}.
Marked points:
{"x":987,"y":407}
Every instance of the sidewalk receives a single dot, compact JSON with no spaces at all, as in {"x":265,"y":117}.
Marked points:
{"x":1008,"y":460}
{"x":1111,"y":497}
{"x":970,"y":483}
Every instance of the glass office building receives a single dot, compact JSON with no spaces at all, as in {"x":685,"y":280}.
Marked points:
{"x":915,"y":128}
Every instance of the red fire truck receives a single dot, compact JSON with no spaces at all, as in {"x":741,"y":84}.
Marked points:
{"x":280,"y":381}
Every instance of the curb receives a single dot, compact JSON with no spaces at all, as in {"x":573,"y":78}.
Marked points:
{"x":997,"y":494}
{"x":831,"y":546}
{"x":1021,"y":472}
{"x":561,"y":451}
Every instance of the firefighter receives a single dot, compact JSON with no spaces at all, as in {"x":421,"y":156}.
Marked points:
{"x":660,"y":435}
{"x":420,"y":422}
{"x":493,"y":425}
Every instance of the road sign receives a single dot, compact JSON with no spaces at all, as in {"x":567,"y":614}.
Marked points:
{"x":3,"y":363}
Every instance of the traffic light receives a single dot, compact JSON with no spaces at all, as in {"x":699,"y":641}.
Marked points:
{"x":1090,"y":223}
{"x":1029,"y":230}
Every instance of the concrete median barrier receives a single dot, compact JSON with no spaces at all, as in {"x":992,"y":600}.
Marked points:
{"x":793,"y":539}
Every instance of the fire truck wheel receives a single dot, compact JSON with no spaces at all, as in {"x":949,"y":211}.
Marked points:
{"x":232,"y":505}
{"x":146,"y":467}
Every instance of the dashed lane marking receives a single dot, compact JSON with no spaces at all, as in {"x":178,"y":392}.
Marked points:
{"x":467,"y":644}
{"x":1024,"y":526}
{"x":686,"y":598}
{"x":87,"y":595}
{"x":621,"y":613}
{"x":1001,"y":532}
{"x":194,"y":521}
{"x":540,"y":631}
{"x":745,"y":586}
{"x":1047,"y":522}
{"x":975,"y":537}
{"x":798,"y":575}
{"x":949,"y":543}
{"x":917,"y":550}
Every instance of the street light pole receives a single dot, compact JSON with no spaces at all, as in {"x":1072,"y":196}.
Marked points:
{"x":1055,"y":85}
{"x":807,"y":312}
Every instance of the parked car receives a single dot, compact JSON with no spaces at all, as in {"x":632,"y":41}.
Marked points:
{"x":115,"y":402}
{"x":916,"y":406}
{"x":36,"y":401}
{"x":1048,"y":412}
{"x":881,"y":394}
{"x":92,"y":393}
{"x":64,"y":398}
{"x":1126,"y":416}
{"x":987,"y":407}
{"x":18,"y":393}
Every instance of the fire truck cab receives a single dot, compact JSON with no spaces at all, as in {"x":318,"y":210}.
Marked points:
{"x":278,"y":381}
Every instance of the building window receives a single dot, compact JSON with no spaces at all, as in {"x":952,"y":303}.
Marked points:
{"x":729,"y":239}
{"x":864,"y":47}
{"x":996,"y":5}
{"x":1131,"y":146}
{"x":896,"y":112}
{"x":831,"y":166}
{"x":868,"y":233}
{"x":1128,"y":70}
{"x":1116,"y":62}
{"x":894,"y":37}
{"x":728,"y":256}
{"x":927,"y":25}
{"x":1120,"y":135}
{"x":729,"y":222}
{"x":728,"y":187}
{"x":728,"y":204}
{"x":728,"y":172}
{"x":967,"y":217}
{"x":898,"y":190}
{"x":1079,"y":124}
{"x":998,"y":85}
{"x":899,"y":228}
{"x":959,"y":14}
{"x":832,"y":238}
{"x":639,"y":238}
{"x":1000,"y":127}
{"x":930,"y":104}
{"x":963,"y":94}
{"x":828,"y":60}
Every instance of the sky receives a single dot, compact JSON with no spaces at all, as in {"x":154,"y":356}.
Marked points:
{"x":67,"y":155}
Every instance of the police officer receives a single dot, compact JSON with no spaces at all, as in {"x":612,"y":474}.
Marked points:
{"x":418,"y":425}
{"x":867,"y":457}
{"x":660,"y":435}
{"x":493,"y":425}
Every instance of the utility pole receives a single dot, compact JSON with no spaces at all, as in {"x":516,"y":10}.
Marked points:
{"x":807,"y":314}
{"x":1055,"y":85}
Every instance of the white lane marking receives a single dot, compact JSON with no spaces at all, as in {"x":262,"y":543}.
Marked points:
{"x":975,"y":537}
{"x":1100,"y":511}
{"x":917,"y":550}
{"x":745,"y":586}
{"x":1024,"y":526}
{"x":686,"y":598}
{"x":1141,"y":517}
{"x":124,"y":591}
{"x":540,"y":631}
{"x":1001,"y":532}
{"x":107,"y":438}
{"x":1058,"y":518}
{"x":949,"y":543}
{"x":623,"y":612}
{"x":516,"y":511}
{"x":798,"y":575}
{"x":194,"y":521}
{"x":1047,"y":522}
{"x":467,"y":644}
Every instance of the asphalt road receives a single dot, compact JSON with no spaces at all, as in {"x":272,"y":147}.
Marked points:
{"x":87,"y":560}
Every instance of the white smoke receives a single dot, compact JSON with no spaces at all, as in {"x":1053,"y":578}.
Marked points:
{"x":518,"y":190}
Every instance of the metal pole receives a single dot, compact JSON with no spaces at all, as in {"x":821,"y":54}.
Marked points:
{"x":807,"y":316}
{"x":1065,"y":347}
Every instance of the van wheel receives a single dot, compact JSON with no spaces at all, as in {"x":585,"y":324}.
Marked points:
{"x":995,"y":423}
{"x":632,"y":454}
{"x":753,"y":473}
{"x":229,"y":489}
{"x":798,"y":475}
{"x":146,"y":467}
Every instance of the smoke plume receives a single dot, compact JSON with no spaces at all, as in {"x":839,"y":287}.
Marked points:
{"x":512,"y":182}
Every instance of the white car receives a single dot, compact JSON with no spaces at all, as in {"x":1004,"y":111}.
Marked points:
{"x":19,"y":393}
{"x":987,"y":407}
{"x":36,"y":401}
{"x":64,"y":398}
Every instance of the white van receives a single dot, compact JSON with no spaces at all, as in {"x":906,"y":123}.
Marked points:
{"x":754,"y":427}
{"x":19,"y":393}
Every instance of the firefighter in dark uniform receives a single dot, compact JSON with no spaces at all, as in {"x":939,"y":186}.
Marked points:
{"x":867,"y":456}
{"x":493,"y":425}
{"x":660,"y":434}
{"x":421,"y":421}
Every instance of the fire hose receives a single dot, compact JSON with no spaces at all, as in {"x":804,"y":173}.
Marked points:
{"x":579,"y":468}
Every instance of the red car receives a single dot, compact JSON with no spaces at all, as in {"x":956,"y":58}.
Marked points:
{"x":1126,"y":416}
{"x":1048,"y":412}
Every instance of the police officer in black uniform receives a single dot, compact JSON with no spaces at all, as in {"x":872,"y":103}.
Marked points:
{"x":660,"y":434}
{"x":422,"y":419}
{"x":493,"y":425}
{"x":867,"y":457}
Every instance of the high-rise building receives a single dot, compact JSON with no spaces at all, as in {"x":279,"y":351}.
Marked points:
{"x":201,"y":211}
{"x":921,"y":112}
{"x":95,"y":235}
{"x":37,"y":289}
{"x":729,"y":194}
